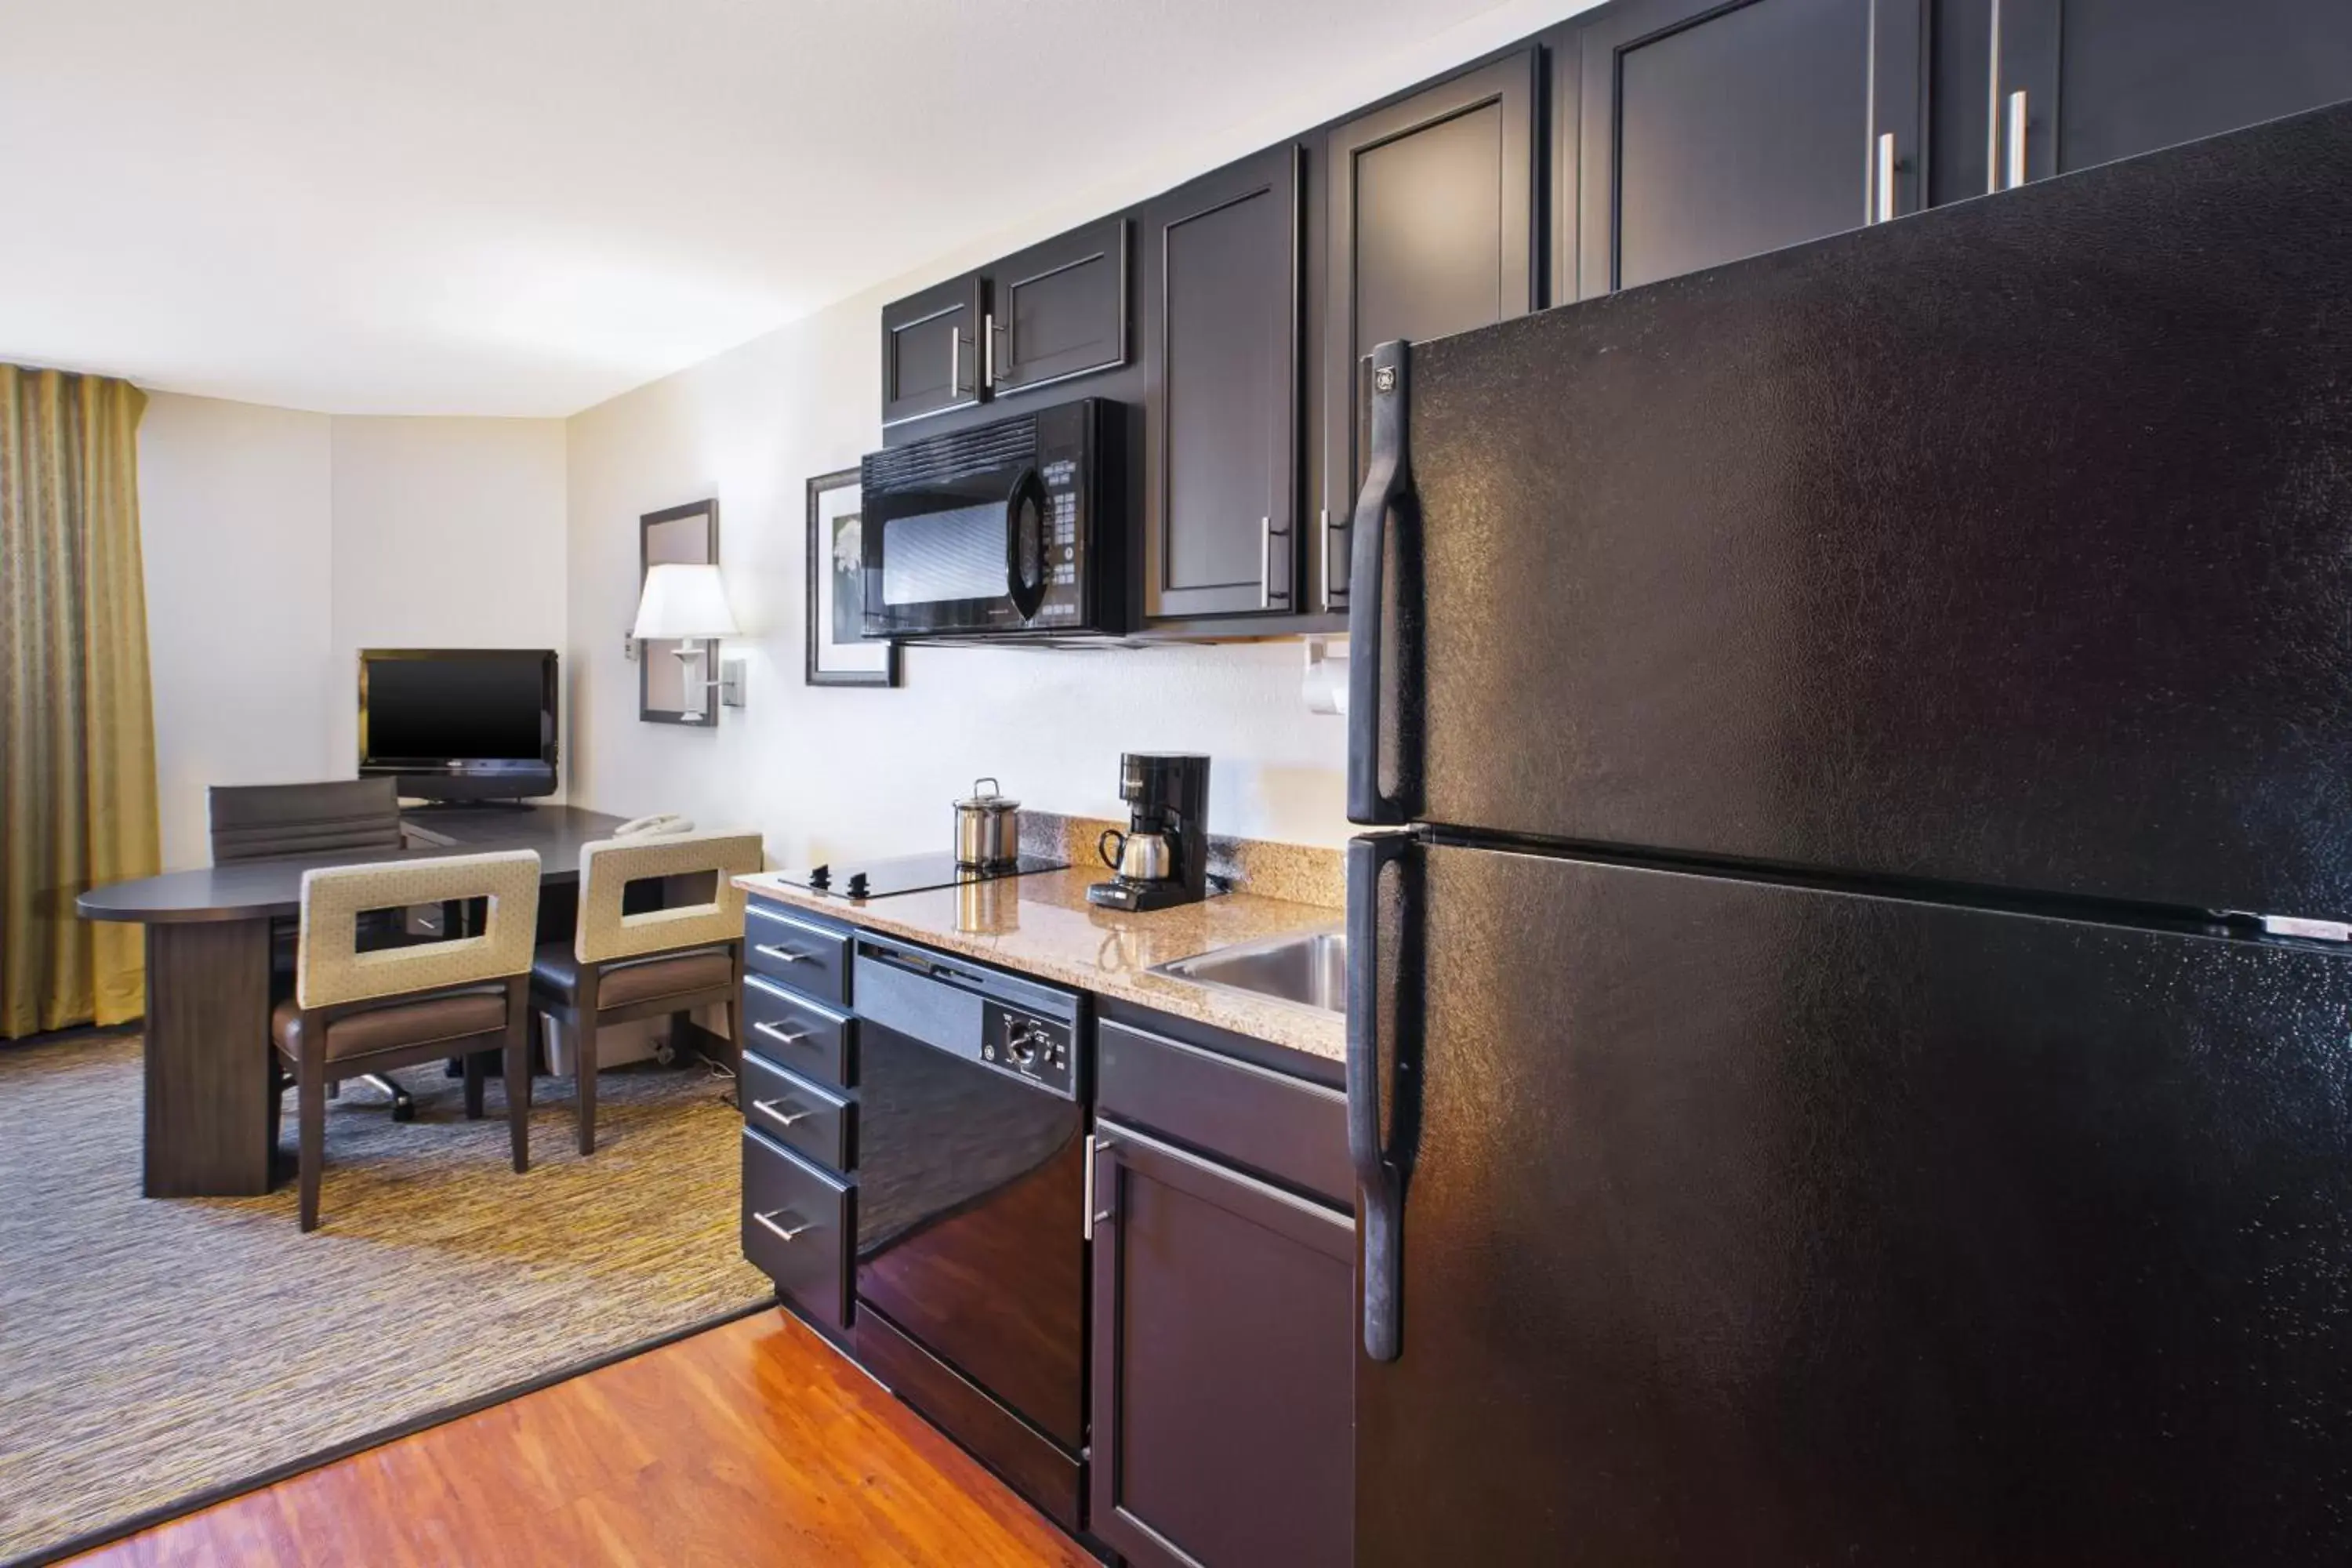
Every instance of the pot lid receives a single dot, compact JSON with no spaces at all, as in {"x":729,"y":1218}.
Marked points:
{"x":990,"y":799}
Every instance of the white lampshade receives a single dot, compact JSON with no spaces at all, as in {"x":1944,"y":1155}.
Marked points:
{"x":684,"y":602}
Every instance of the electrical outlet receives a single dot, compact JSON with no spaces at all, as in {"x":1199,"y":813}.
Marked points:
{"x":629,"y":646}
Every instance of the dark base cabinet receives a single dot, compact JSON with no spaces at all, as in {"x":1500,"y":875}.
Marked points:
{"x":1222,"y":1382}
{"x":796,"y":1082}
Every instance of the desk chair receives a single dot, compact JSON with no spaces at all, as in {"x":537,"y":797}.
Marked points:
{"x":398,"y":1006}
{"x":621,"y":966}
{"x":250,"y":821}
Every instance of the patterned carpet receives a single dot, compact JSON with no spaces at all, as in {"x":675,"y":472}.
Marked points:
{"x":152,"y":1350}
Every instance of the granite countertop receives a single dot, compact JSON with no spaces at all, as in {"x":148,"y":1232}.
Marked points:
{"x":1043,"y":925}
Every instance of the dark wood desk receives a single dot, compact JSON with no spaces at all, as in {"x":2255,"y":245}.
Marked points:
{"x":207,"y":1046}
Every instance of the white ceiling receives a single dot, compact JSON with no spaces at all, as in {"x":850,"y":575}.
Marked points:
{"x":527,"y":207}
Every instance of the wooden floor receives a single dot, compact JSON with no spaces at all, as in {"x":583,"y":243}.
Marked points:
{"x":750,"y":1444}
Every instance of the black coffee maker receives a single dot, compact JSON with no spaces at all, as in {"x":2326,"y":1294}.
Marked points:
{"x":1162,"y":858}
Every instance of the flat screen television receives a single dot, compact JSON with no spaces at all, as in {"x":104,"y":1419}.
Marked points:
{"x":459,"y":724}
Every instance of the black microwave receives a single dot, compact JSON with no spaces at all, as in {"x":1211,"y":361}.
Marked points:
{"x":1013,"y":528}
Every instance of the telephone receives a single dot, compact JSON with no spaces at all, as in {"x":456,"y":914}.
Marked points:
{"x":650,"y":826}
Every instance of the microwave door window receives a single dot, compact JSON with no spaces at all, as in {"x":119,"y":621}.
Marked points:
{"x":941,"y":557}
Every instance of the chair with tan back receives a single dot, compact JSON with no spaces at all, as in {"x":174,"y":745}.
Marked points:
{"x":357,"y":1011}
{"x":621,"y":966}
{"x":334,"y":817}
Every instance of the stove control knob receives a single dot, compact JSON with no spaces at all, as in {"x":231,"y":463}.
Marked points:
{"x":1021,"y":1043}
{"x":858,"y":884}
{"x":819,"y":875}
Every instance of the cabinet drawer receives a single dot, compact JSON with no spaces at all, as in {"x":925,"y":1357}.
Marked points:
{"x":1282,"y":1127}
{"x":796,"y":1112}
{"x":810,"y":958}
{"x":793,"y":1032}
{"x":798,"y":1222}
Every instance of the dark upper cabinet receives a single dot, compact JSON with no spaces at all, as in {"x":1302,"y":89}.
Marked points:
{"x":1054,"y":312}
{"x":1220,"y":335}
{"x":1058,"y":310}
{"x":1223,"y":1365}
{"x":2086,"y":81}
{"x":1432,"y":230}
{"x":1710,"y":131}
{"x":930,"y":350}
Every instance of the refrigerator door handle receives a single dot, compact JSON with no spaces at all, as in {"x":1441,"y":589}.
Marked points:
{"x":1380,"y":1189}
{"x":1387,"y":479}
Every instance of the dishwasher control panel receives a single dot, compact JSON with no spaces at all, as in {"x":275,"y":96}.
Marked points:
{"x":1039,"y":1048}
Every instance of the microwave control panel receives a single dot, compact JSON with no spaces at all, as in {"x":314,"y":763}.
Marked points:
{"x":1062,"y":466}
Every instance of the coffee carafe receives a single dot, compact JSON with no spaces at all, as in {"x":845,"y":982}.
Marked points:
{"x":1162,"y":856}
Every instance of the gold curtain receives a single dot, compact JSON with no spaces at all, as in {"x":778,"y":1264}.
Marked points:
{"x":78,"y":756}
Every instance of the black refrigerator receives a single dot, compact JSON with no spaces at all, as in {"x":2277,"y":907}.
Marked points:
{"x":1851,"y":1033}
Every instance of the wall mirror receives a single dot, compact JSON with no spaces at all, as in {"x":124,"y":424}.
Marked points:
{"x":687,"y":534}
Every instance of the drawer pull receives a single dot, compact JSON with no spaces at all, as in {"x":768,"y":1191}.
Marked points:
{"x":781,"y":1118}
{"x":785,"y":1232}
{"x":781,"y":1036}
{"x":782,"y":954}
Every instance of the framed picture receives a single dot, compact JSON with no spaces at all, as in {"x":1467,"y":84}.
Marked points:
{"x":687,"y":535}
{"x":838,"y":654}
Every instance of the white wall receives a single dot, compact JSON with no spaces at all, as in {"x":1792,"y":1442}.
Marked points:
{"x":447,"y":534}
{"x":278,"y":543}
{"x":233,"y":504}
{"x":834,"y":772}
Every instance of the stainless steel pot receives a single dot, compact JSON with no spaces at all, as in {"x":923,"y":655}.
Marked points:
{"x":987,"y":826}
{"x":1140,"y":858}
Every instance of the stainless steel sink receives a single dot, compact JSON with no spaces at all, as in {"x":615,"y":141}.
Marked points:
{"x":1308,"y":970}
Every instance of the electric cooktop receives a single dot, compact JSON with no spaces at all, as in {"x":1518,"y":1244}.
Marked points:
{"x":909,"y":874}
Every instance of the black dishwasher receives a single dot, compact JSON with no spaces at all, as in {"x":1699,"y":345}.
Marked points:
{"x":972,"y":1255}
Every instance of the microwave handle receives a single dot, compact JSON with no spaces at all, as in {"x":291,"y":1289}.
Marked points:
{"x":1026,"y":593}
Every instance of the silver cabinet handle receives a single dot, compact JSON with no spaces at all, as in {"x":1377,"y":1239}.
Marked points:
{"x":1266,"y":565}
{"x":768,"y":1107}
{"x":1095,"y":1145}
{"x":785,"y":1232}
{"x":780,"y":954}
{"x":990,"y":330}
{"x":955,"y":362}
{"x":781,"y":1036}
{"x":1330,"y":602}
{"x":1885,"y":209}
{"x":2016,"y":139}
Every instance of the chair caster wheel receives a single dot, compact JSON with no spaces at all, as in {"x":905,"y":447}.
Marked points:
{"x":404,"y":1110}
{"x":665,"y":1054}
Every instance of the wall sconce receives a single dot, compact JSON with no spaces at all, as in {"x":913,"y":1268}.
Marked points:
{"x":689,"y":603}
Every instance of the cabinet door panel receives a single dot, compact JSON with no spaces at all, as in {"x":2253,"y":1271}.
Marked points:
{"x":2103,"y":80}
{"x":1224,"y":1360}
{"x":1431,"y":232}
{"x":931,"y":350}
{"x":1061,"y":308}
{"x":1960,"y":100}
{"x":1223,"y":336}
{"x":1715,"y":132}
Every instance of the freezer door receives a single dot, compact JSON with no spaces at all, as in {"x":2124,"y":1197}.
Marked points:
{"x":1759,"y":1225}
{"x":2008,"y":544}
